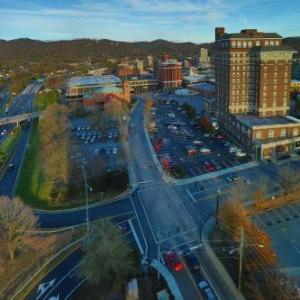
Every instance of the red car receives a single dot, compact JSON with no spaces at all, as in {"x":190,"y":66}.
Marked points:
{"x":220,"y":137}
{"x":209,"y":167}
{"x":173,"y":261}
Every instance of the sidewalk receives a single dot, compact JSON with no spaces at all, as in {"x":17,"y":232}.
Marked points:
{"x":224,"y":286}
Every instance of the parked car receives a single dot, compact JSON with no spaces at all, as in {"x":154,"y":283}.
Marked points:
{"x":198,"y":143}
{"x":115,"y":150}
{"x":96,"y":151}
{"x":207,"y":290}
{"x":107,"y":151}
{"x":234,"y":178}
{"x":173,"y":261}
{"x":209,"y":166}
{"x":240,"y":153}
{"x":204,"y":150}
{"x":109,"y":135}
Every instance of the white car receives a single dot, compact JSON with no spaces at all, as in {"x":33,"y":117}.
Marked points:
{"x":204,"y":150}
{"x":233,"y":149}
{"x":115,"y":150}
{"x":207,"y":290}
{"x":240,"y":154}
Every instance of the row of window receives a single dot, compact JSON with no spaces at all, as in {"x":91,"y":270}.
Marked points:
{"x":250,"y":44}
{"x":283,"y":133}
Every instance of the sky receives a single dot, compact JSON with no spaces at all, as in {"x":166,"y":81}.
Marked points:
{"x":144,"y":20}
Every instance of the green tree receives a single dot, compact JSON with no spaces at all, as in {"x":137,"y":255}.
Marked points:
{"x":108,"y":259}
{"x":16,"y":223}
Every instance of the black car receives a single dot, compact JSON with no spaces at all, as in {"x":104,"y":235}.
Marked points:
{"x":192,"y":261}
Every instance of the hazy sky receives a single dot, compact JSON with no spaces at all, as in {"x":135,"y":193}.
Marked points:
{"x":135,"y":20}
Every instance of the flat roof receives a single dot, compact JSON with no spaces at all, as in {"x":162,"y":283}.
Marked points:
{"x":93,"y":80}
{"x":204,"y":86}
{"x":253,"y":120}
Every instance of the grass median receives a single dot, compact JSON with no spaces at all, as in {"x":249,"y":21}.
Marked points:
{"x":32,"y":187}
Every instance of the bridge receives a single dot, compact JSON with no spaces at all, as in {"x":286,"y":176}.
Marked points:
{"x":19,"y":118}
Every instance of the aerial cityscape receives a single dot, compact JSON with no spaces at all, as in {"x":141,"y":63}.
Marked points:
{"x":149,"y":150}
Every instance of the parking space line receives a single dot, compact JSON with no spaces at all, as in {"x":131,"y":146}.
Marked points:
{"x":296,"y":213}
{"x":276,"y":216}
{"x":270,"y":218}
{"x":287,"y":217}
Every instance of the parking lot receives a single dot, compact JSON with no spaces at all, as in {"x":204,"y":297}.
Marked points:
{"x":98,"y":149}
{"x":185,"y":144}
{"x":282,"y":225}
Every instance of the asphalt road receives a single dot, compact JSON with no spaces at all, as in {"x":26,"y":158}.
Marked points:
{"x":23,"y":103}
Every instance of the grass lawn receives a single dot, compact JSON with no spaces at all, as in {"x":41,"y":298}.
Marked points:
{"x":9,"y":144}
{"x":32,"y":188}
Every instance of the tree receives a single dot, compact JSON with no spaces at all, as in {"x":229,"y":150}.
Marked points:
{"x":108,"y":259}
{"x":16,"y":223}
{"x":55,"y":148}
{"x":288,"y":179}
{"x":205,"y":124}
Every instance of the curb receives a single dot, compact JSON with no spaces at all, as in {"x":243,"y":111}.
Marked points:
{"x":223,"y":276}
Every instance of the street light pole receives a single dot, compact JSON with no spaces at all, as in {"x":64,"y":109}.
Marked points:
{"x":86,"y":201}
{"x":242,"y":242}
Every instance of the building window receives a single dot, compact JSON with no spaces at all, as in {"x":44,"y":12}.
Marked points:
{"x":283,"y":132}
{"x":258,"y":135}
{"x":295,"y":131}
{"x":257,"y":43}
{"x":266,"y":43}
{"x":244,"y":44}
{"x":239,"y":44}
{"x":271,"y":133}
{"x":277,"y":43}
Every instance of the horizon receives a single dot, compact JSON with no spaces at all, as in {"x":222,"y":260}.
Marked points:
{"x":176,"y":21}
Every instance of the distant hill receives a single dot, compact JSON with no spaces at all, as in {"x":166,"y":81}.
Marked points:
{"x":20,"y":51}
{"x":27,"y":50}
{"x":293,"y":42}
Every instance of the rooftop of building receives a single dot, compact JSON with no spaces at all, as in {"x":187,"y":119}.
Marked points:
{"x":295,"y":81}
{"x":93,"y":80}
{"x":247,"y":33}
{"x":256,"y":121}
{"x":205,"y":86}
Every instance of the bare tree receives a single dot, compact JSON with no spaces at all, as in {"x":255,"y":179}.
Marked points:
{"x":16,"y":223}
{"x":288,"y":178}
{"x":55,"y":148}
{"x":108,"y":258}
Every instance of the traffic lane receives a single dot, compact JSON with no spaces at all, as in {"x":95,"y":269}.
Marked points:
{"x":52,"y":280}
{"x":8,"y":180}
{"x":49,"y":219}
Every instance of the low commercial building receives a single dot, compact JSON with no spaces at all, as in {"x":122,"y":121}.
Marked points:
{"x":265,"y":137}
{"x":142,"y":84}
{"x":204,"y":88}
{"x":76,"y":87}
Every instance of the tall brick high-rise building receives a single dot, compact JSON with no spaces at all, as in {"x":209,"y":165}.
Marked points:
{"x":253,"y":75}
{"x":168,"y":72}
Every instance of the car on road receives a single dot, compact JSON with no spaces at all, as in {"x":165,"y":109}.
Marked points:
{"x":173,"y":261}
{"x":209,"y":166}
{"x":123,"y":227}
{"x":109,"y":135}
{"x":192,"y":262}
{"x":10,"y":167}
{"x":107,"y":151}
{"x":115,"y":150}
{"x":3,"y":132}
{"x":203,"y":285}
{"x":197,"y":143}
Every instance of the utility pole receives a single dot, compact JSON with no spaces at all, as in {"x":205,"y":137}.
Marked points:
{"x":217,"y":207}
{"x":242,"y":244}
